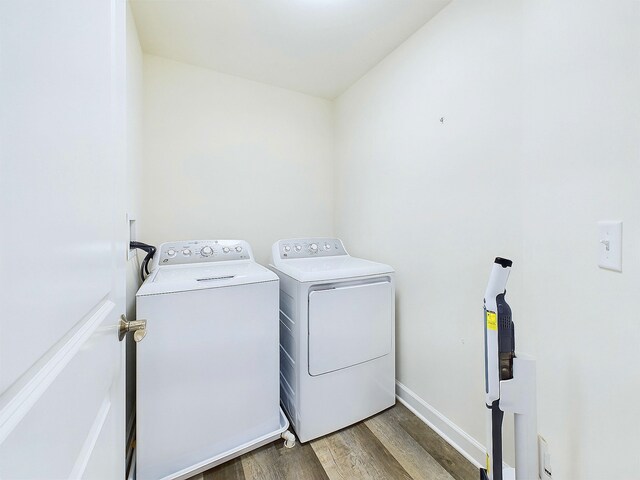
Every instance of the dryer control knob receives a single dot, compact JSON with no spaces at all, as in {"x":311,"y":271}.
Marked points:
{"x":226,"y":249}
{"x":206,"y":251}
{"x":238,"y":249}
{"x":186,"y":252}
{"x":287,"y":248}
{"x":171,"y":253}
{"x":327,"y":246}
{"x":313,"y":247}
{"x":298,"y":248}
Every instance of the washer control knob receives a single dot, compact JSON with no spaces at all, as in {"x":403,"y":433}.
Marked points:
{"x":171,"y":253}
{"x":206,"y":251}
{"x":186,"y":252}
{"x":297,"y":248}
{"x":327,"y":246}
{"x":226,"y":249}
{"x":238,"y":249}
{"x":313,"y":247}
{"x":287,"y":248}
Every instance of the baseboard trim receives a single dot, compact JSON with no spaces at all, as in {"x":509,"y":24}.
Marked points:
{"x":464,"y":443}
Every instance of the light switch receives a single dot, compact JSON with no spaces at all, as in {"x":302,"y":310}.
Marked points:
{"x":610,"y":247}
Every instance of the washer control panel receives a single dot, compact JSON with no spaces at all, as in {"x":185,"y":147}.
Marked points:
{"x":310,"y":247}
{"x":202,"y":251}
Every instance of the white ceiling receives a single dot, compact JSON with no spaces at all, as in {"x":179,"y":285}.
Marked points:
{"x":319,"y":47}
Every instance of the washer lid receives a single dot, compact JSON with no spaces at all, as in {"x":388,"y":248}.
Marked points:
{"x":182,"y":278}
{"x":330,"y":268}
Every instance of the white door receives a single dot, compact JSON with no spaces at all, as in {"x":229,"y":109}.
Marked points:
{"x":62,"y":238}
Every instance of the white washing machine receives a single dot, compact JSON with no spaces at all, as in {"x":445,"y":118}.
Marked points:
{"x":207,"y":370}
{"x":337,"y":335}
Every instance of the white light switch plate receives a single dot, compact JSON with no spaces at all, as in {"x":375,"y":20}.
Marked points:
{"x":131,"y":221}
{"x":610,"y":246}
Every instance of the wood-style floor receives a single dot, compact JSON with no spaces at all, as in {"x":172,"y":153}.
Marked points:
{"x":394,"y":444}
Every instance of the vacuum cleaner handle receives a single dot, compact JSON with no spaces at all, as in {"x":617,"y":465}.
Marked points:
{"x":495,"y":288}
{"x":498,"y":335}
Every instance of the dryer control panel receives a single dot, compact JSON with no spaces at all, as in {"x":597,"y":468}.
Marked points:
{"x":201,"y":251}
{"x":308,"y":248}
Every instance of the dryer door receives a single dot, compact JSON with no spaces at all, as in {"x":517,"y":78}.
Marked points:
{"x":349,"y":324}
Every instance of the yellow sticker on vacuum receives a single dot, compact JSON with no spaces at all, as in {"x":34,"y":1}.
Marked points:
{"x":492,"y":321}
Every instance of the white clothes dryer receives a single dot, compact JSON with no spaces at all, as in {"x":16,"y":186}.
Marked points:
{"x":337,"y":335}
{"x":207,"y":370}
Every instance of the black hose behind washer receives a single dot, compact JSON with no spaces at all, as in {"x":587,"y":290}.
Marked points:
{"x":144,"y":266}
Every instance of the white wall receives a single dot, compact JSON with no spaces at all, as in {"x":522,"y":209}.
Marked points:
{"x":541,"y":138}
{"x":437,"y":200}
{"x":133,"y":181}
{"x":226,"y":157}
{"x":581,"y":164}
{"x":134,"y":146}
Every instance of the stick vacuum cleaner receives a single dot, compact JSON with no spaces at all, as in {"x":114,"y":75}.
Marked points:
{"x":510,"y":385}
